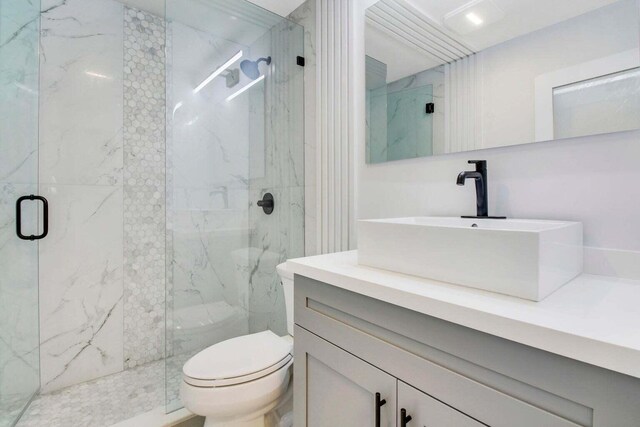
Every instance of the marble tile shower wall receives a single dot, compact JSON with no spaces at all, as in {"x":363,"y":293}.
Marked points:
{"x":207,"y":200}
{"x":102,"y":169}
{"x":280,"y":170}
{"x":207,"y":195}
{"x":103,"y":151}
{"x":305,"y":15}
{"x":19,"y":376}
{"x":81,"y":163}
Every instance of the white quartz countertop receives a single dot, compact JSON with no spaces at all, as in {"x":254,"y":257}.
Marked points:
{"x":593,"y":319}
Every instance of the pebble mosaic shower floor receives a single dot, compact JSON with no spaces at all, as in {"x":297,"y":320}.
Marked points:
{"x":102,"y":402}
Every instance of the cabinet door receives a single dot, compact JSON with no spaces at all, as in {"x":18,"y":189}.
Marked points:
{"x":336,"y":389}
{"x":426,"y":411}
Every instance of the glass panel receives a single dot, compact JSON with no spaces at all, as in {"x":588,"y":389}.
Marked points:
{"x":399,"y":122}
{"x":19,"y":350}
{"x":409,"y":127}
{"x":234,"y":132}
{"x":599,"y":105}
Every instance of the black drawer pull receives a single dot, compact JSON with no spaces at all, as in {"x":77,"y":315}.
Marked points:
{"x":404,"y":418}
{"x":45,"y":217}
{"x":379,"y":404}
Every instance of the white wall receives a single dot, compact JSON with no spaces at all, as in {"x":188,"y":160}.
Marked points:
{"x":509,"y":69}
{"x":592,"y":179}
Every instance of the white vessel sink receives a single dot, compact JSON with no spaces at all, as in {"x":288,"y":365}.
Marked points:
{"x":524,"y":258}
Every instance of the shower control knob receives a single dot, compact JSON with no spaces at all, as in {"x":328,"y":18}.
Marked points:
{"x":267,"y":203}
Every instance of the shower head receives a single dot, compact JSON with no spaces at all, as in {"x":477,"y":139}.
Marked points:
{"x":250,"y":68}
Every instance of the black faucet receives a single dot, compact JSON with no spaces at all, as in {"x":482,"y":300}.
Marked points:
{"x":482,"y":199}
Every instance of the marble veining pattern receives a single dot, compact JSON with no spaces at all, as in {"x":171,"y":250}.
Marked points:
{"x":102,"y":402}
{"x":102,"y":267}
{"x":81,"y":285}
{"x":19,"y":375}
{"x":279,"y":236}
{"x":207,"y":195}
{"x":144,"y":187}
{"x":81,"y":92}
{"x":207,"y":169}
{"x":81,"y":151}
{"x":305,"y":15}
{"x":19,"y":364}
{"x":19,"y":92}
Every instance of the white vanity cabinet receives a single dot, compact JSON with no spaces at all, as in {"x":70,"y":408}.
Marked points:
{"x":343,"y":390}
{"x":349,"y":347}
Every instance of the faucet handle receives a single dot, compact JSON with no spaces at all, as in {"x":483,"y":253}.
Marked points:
{"x":480,"y":164}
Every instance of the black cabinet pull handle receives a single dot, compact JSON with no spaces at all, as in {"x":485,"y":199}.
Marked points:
{"x":45,"y":217}
{"x":380,"y":402}
{"x":404,"y":418}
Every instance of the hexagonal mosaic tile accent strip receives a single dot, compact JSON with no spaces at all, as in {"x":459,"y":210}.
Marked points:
{"x":144,"y":187}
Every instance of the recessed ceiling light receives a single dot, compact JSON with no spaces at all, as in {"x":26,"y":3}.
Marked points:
{"x":475,"y":19}
{"x":473,"y":16}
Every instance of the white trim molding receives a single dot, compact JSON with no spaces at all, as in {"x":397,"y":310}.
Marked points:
{"x":339,"y":119}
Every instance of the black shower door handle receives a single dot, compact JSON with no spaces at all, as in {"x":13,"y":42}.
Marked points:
{"x":45,"y":217}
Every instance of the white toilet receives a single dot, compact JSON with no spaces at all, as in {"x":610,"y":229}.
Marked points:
{"x":235,"y":383}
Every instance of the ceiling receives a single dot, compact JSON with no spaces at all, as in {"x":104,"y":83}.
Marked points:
{"x":241,"y":22}
{"x":521,"y":16}
{"x":281,"y":7}
{"x":157,"y":7}
{"x":395,"y":28}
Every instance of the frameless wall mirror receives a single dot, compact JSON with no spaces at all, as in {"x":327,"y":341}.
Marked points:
{"x":446,"y":76}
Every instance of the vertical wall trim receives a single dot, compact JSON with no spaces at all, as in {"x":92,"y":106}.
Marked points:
{"x":463,"y":90}
{"x":336,"y":131}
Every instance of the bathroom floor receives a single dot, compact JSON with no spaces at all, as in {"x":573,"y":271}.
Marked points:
{"x":102,"y":402}
{"x":11,"y":409}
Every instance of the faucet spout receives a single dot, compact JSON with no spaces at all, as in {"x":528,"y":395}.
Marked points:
{"x":463,"y":176}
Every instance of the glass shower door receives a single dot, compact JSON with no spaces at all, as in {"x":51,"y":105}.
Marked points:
{"x":235,"y":133}
{"x":19,"y":333}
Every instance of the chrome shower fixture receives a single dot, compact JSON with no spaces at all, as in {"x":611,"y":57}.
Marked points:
{"x":250,"y":68}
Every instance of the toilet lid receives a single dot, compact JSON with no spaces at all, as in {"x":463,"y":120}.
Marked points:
{"x":239,"y":357}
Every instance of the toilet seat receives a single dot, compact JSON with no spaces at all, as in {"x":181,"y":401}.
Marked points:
{"x":238,"y":360}
{"x":225,"y":382}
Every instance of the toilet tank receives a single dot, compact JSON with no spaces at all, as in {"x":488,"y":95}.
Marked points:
{"x":286,"y":278}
